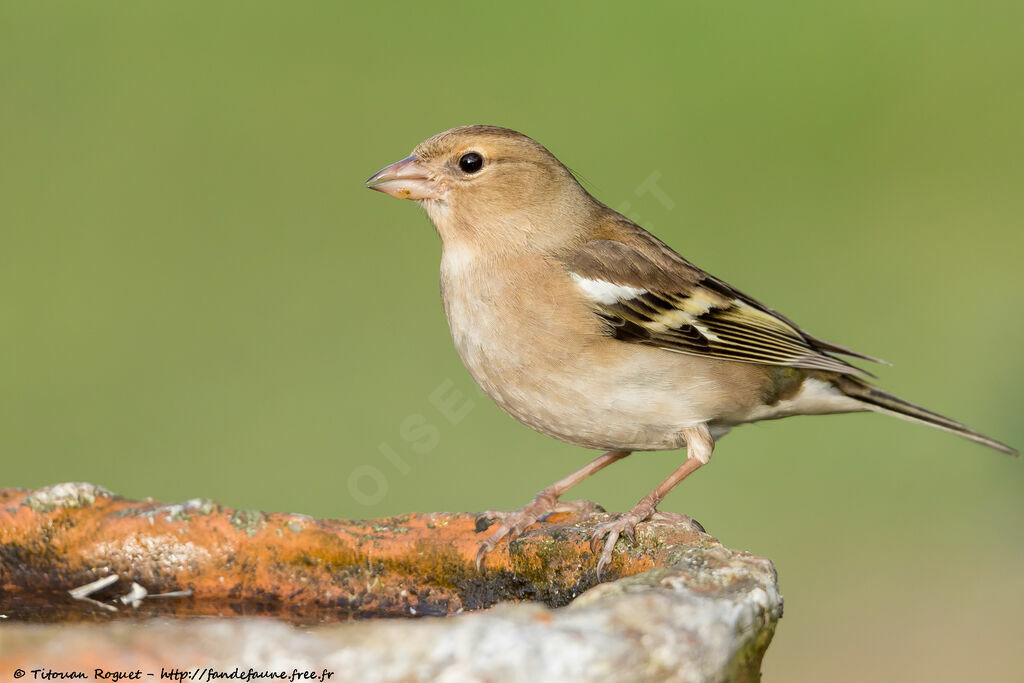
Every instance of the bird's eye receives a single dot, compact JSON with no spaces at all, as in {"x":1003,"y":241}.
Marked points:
{"x":471,"y":162}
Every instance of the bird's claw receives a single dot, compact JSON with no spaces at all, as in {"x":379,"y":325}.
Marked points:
{"x":677,"y":519}
{"x":609,"y":532}
{"x":513,"y":524}
{"x":625,"y":525}
{"x":481,"y":552}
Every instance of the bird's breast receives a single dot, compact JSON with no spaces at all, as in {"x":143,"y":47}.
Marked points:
{"x":505,"y":319}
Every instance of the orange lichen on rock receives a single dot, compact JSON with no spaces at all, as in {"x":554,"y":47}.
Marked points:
{"x":66,"y":535}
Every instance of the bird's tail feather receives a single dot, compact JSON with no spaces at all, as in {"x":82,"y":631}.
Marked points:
{"x":879,"y":401}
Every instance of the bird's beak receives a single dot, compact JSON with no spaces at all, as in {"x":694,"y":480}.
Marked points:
{"x":405,"y":179}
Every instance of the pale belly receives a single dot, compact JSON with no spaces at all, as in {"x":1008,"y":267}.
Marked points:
{"x":573,"y":403}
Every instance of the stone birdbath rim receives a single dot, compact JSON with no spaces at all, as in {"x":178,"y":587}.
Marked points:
{"x":677,"y":605}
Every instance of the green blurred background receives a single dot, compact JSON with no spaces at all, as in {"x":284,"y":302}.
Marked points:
{"x":200,"y":298}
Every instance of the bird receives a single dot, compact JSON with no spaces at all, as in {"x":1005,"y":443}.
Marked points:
{"x":587,"y":328}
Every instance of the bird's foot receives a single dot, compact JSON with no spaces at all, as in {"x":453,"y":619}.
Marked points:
{"x":625,"y":525}
{"x":513,"y":524}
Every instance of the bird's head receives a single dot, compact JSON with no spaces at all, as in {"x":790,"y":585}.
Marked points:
{"x":486,"y":182}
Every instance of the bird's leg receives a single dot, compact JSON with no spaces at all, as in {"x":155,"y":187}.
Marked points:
{"x":515,"y":523}
{"x":699,"y":445}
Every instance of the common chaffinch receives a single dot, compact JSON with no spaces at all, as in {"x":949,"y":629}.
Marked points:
{"x":584,"y":326}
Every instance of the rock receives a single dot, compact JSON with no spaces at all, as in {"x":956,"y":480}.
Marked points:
{"x":680,"y":606}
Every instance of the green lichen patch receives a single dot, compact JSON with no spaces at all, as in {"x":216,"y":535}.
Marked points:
{"x":249,"y":521}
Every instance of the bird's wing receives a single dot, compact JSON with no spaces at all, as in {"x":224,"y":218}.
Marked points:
{"x":648,"y":294}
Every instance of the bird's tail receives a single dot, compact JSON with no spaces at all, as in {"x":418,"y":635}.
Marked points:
{"x":879,"y":401}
